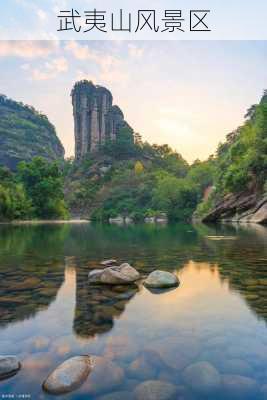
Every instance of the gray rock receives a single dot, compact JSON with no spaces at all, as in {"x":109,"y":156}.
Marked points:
{"x":96,"y":101}
{"x":108,"y":263}
{"x":155,"y":390}
{"x":116,"y":275}
{"x":236,"y":366}
{"x":117,"y":220}
{"x":150,"y":220}
{"x":95,"y":275}
{"x":162,"y":218}
{"x":121,"y":395}
{"x":175,"y":352}
{"x":239,"y":387}
{"x":202,"y":377}
{"x":105,"y":377}
{"x":69,"y":375}
{"x":161,"y":279}
{"x":121,"y":348}
{"x":9,"y":366}
{"x":142,"y":369}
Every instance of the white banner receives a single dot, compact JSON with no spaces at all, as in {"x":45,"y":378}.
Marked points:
{"x":133,"y":20}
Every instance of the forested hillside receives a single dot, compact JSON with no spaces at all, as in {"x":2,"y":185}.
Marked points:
{"x":25,"y":133}
{"x":129,"y":178}
{"x":240,"y":172}
{"x":135,"y":180}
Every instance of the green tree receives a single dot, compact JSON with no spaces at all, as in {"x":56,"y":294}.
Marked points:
{"x":176,"y":196}
{"x":43,"y":183}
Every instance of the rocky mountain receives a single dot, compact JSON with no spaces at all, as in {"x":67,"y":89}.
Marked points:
{"x":25,"y":133}
{"x":240,"y":175}
{"x":242,"y":207}
{"x":96,"y":119}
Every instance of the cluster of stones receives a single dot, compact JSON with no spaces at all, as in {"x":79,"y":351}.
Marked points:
{"x":161,"y":218}
{"x":103,"y":375}
{"x":167,"y":368}
{"x":96,"y":120}
{"x":125,"y":274}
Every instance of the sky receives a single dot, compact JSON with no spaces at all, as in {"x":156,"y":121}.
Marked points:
{"x":189,"y":94}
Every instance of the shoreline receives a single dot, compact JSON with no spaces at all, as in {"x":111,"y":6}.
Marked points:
{"x":47,"y":221}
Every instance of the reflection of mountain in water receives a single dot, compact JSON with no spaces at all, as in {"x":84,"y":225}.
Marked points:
{"x":98,"y":305}
{"x":32,"y":262}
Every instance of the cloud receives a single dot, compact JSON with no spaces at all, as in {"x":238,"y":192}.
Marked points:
{"x":59,"y":5}
{"x":50,"y":70}
{"x":41,"y":14}
{"x":78,"y":51}
{"x":135,"y":51}
{"x":25,"y":67}
{"x":27,"y":48}
{"x":111,"y":69}
{"x":83,"y":52}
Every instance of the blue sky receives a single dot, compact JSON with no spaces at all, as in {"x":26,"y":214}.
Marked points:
{"x":187,"y":94}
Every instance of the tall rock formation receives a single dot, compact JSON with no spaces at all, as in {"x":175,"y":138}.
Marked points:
{"x":96,"y":120}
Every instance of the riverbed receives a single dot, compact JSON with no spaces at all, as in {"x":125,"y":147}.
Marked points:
{"x":217,"y":316}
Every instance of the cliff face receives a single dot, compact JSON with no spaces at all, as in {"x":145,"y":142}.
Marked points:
{"x":96,"y":120}
{"x":24,"y":134}
{"x":243,"y":207}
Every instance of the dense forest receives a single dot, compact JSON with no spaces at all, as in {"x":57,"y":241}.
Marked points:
{"x":136,"y":179}
{"x":26,"y":133}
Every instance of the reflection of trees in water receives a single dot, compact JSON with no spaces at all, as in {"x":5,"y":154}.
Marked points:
{"x":23,"y":294}
{"x":32,"y":259}
{"x":243,"y":263}
{"x":19,"y":243}
{"x":98,"y":305}
{"x":31,"y":270}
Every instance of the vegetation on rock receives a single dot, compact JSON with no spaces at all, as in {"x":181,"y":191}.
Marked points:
{"x":26,"y":133}
{"x":126,"y":177}
{"x":240,"y":165}
{"x":135,"y":179}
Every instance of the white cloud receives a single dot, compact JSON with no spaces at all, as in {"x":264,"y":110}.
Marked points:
{"x":111,"y":69}
{"x":78,"y":51}
{"x":27,"y":48}
{"x":25,"y":67}
{"x":57,"y":65}
{"x":50,"y":70}
{"x":135,"y":51}
{"x":59,"y":5}
{"x":80,"y":75}
{"x":41,"y":14}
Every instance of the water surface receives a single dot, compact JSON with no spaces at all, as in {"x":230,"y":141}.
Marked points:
{"x":48,"y":312}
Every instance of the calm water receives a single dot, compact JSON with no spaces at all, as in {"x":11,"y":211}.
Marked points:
{"x":48,"y":312}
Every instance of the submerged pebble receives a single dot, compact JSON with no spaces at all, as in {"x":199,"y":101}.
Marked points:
{"x":238,"y":387}
{"x":106,"y":376}
{"x":155,"y":390}
{"x":202,"y":377}
{"x":9,"y":366}
{"x":69,"y":375}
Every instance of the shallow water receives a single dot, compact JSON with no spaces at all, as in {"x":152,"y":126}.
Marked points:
{"x":48,"y":312}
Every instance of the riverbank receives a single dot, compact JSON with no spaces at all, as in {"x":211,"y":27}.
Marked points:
{"x":45,"y":221}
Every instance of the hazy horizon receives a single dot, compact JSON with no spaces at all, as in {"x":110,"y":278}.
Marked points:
{"x":187,"y":94}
